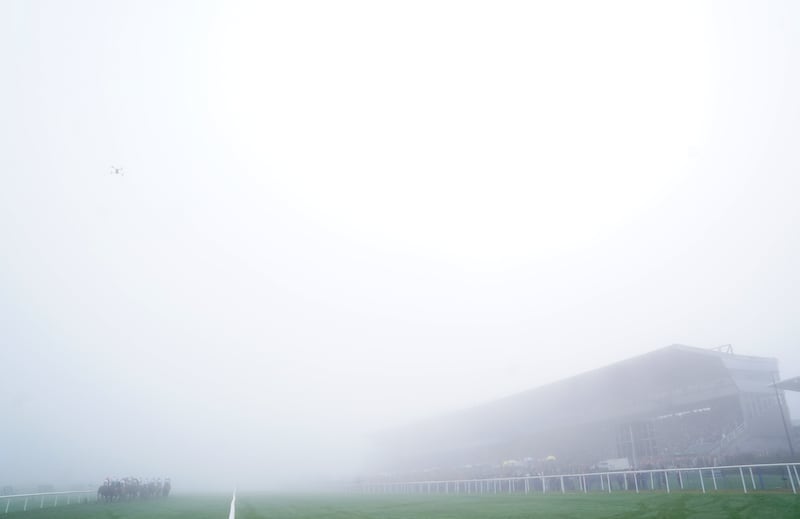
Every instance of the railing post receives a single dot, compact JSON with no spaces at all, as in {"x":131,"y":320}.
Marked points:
{"x":702,"y":483}
{"x":562,"y":484}
{"x":752,"y":479}
{"x":680,"y":479}
{"x":8,"y":503}
{"x":666,"y":480}
{"x":608,"y":482}
{"x":714,"y":478}
{"x":744,"y":485}
{"x":794,"y":488}
{"x":25,"y":506}
{"x":636,"y":481}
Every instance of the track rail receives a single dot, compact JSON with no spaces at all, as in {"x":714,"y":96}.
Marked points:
{"x":627,"y":480}
{"x":232,"y":513}
{"x":42,"y":495}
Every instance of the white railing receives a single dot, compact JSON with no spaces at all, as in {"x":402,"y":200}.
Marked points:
{"x":232,"y":513}
{"x":787,"y":474}
{"x":21,"y":502}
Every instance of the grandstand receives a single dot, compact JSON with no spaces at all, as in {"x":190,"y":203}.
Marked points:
{"x":675,"y":406}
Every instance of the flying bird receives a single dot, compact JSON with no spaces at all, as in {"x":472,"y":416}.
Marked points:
{"x":116,"y":171}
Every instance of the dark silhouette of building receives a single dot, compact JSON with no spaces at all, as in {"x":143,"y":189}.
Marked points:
{"x":675,"y":406}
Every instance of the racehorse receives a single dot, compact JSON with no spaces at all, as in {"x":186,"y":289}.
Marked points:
{"x":109,"y":491}
{"x":131,"y":488}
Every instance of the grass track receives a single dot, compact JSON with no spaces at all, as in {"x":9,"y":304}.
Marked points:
{"x":520,"y":506}
{"x":282,"y":506}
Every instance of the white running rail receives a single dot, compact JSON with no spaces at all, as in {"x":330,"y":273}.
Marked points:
{"x":232,"y":514}
{"x":748,"y":478}
{"x":72,"y":496}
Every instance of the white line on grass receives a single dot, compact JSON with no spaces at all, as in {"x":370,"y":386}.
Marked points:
{"x":232,"y":514}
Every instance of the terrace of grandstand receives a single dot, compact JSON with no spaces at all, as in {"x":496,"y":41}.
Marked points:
{"x":675,"y":406}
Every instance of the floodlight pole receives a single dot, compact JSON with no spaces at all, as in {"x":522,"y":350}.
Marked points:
{"x":783,"y":417}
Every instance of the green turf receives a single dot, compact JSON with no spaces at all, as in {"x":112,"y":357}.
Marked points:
{"x":520,"y":506}
{"x":264,"y":506}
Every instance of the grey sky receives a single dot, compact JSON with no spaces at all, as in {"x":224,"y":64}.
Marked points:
{"x":339,"y":218}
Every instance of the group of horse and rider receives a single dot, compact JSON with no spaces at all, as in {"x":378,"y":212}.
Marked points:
{"x":126,"y":489}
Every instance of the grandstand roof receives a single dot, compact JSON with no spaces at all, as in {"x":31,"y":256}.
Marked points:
{"x":789,"y":384}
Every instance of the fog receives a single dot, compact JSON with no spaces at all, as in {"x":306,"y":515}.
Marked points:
{"x":337,"y":219}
